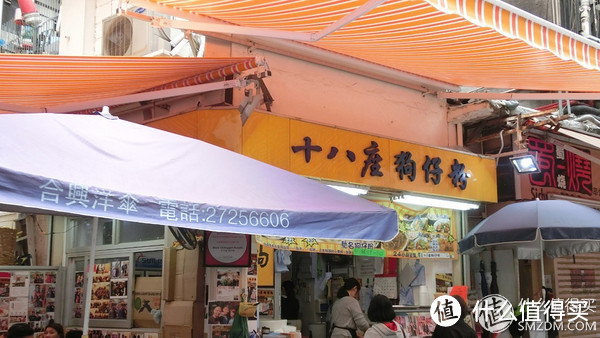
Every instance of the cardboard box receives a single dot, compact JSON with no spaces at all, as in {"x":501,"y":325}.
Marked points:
{"x":169,"y":272}
{"x":169,"y":331}
{"x":146,"y":297}
{"x":184,"y":314}
{"x":181,"y":313}
{"x":188,"y":269}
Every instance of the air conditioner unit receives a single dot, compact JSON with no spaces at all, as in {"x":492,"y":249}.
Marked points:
{"x":125,"y":36}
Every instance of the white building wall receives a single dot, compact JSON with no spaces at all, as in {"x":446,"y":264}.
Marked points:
{"x":301,"y":89}
{"x":77,"y":27}
{"x":332,"y":97}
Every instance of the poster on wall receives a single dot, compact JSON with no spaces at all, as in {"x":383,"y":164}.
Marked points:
{"x":429,"y":233}
{"x":78,"y":293}
{"x":3,"y":325}
{"x":120,"y":334}
{"x":252,"y":291}
{"x":4,"y":302}
{"x":41,"y":307}
{"x":100,"y":304}
{"x":118,"y":284}
{"x":19,"y":284}
{"x":443,"y":281}
{"x":4,"y":309}
{"x":109,"y":291}
{"x":226,"y":249}
{"x":415,"y":325}
{"x":219,"y":331}
{"x":265,"y":302}
{"x":252,"y":268}
{"x":220,"y":312}
{"x":228,"y":284}
{"x":4,"y":284}
{"x":119,"y":270}
{"x":27,"y":297}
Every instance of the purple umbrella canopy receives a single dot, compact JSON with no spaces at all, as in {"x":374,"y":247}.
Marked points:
{"x":563,"y":227}
{"x":93,"y":166}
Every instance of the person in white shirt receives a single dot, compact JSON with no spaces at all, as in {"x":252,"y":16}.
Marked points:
{"x":346,"y":314}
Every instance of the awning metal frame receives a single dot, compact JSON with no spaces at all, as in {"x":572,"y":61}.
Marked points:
{"x":291,"y":41}
{"x":243,"y":30}
{"x":288,"y":47}
{"x":534,"y":96}
{"x":144,"y":96}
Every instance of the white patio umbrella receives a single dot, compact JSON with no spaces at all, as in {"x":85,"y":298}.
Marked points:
{"x":100,"y":167}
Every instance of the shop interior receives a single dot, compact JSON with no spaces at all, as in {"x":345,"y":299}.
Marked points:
{"x":411,"y":284}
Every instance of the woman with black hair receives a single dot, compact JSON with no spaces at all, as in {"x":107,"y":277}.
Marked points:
{"x":381,"y":312}
{"x":54,"y":330}
{"x":346,"y":314}
{"x":20,"y":330}
{"x":460,"y":329}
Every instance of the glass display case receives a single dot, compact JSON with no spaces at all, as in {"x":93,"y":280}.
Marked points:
{"x":415,"y":320}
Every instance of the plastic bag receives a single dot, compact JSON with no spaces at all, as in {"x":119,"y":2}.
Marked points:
{"x":247,"y":309}
{"x":239,"y":328}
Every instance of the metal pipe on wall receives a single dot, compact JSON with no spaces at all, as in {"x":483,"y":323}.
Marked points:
{"x":90,"y":278}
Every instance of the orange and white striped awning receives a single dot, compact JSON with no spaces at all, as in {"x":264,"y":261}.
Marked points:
{"x":53,"y":83}
{"x":475,"y":43}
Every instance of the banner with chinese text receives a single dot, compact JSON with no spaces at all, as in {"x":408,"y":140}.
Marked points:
{"x":427,"y":233}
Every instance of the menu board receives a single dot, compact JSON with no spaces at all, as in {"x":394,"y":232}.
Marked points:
{"x":427,"y":233}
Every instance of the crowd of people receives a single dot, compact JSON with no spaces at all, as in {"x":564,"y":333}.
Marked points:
{"x":52,"y":330}
{"x":349,"y":321}
{"x":347,"y":317}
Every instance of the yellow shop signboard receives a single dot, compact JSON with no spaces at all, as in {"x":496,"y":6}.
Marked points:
{"x":340,"y":155}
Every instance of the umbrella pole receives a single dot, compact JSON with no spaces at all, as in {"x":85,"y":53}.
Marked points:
{"x":90,"y":278}
{"x":541,"y":256}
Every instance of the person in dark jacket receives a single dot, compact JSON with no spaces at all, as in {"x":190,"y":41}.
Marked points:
{"x":20,"y":330}
{"x":460,"y":329}
{"x":74,"y":333}
{"x":290,"y":307}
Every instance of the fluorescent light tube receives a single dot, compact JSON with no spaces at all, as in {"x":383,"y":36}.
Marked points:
{"x":350,"y":190}
{"x":435,"y":202}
